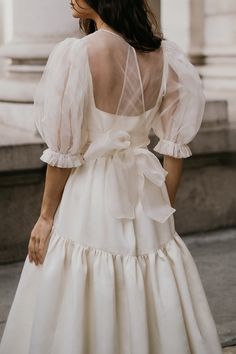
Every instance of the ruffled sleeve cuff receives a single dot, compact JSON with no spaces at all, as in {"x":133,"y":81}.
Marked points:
{"x":55,"y":158}
{"x":167,"y":147}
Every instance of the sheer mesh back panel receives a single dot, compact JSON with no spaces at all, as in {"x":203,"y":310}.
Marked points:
{"x":130,"y":79}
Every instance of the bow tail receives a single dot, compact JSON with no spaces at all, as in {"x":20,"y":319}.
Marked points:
{"x":155,"y":201}
{"x":121,"y":187}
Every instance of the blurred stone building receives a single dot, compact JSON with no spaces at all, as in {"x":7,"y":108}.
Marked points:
{"x":205,"y":29}
{"x":29,"y":29}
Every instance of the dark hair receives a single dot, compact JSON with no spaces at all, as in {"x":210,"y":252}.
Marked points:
{"x":133,"y":19}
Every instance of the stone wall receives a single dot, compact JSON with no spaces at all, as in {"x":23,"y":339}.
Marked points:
{"x":206,"y":30}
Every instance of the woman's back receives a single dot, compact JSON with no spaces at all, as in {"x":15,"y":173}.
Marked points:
{"x":125,"y":81}
{"x":101,"y":76}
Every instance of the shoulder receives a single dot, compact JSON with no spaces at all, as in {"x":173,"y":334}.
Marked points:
{"x":179,"y":60}
{"x":68,"y":51}
{"x":95,"y":43}
{"x":62,"y":46}
{"x":70,"y":44}
{"x":100,"y":43}
{"x":173,"y":50}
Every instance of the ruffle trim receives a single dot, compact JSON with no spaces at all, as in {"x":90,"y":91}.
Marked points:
{"x":57,"y":240}
{"x":55,"y":158}
{"x":167,"y":147}
{"x":162,"y":286}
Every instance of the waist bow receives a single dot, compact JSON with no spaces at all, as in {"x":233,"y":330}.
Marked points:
{"x":134,"y":173}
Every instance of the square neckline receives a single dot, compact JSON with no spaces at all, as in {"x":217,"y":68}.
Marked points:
{"x":145,"y":113}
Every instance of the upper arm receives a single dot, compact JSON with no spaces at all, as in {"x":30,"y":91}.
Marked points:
{"x":181,"y":111}
{"x":60,"y":104}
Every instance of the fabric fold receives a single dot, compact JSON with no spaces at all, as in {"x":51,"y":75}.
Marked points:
{"x":61,"y":101}
{"x":180,"y":113}
{"x":86,"y":277}
{"x":134,"y":173}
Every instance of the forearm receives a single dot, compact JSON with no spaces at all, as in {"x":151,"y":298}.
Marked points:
{"x":174,"y":167}
{"x":54,"y":185}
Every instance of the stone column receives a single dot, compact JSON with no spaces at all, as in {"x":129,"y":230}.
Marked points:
{"x":5,"y":27}
{"x":36,"y":27}
{"x":2,"y":16}
{"x":219,"y":50}
{"x":206,"y":30}
{"x":175,"y":19}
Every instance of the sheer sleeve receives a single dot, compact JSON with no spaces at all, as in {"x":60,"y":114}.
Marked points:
{"x":60,"y":104}
{"x":181,"y":111}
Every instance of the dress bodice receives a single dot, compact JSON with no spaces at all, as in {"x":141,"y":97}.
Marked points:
{"x":137,"y":127}
{"x":99,"y":98}
{"x":132,"y":169}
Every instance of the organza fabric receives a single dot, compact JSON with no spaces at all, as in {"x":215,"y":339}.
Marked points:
{"x":117,"y":278}
{"x":100,"y":73}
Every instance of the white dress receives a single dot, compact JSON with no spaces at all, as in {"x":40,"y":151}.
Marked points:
{"x":117,"y":278}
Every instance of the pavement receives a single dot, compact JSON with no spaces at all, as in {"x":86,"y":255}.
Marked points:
{"x":215,"y":256}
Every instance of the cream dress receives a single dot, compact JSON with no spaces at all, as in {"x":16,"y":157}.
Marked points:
{"x":117,"y":278}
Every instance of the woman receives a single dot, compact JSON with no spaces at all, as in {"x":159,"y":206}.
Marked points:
{"x":106,"y":272}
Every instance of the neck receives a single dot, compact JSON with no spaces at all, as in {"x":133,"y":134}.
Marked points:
{"x":101,"y":24}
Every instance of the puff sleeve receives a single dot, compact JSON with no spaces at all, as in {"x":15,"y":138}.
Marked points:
{"x":180,"y":113}
{"x":60,"y":104}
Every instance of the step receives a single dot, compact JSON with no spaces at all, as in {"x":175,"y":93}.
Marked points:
{"x":18,"y":88}
{"x":16,"y":105}
{"x":18,"y":115}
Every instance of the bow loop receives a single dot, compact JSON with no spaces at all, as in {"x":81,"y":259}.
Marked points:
{"x":119,"y":139}
{"x":134,"y":173}
{"x":150,"y":166}
{"x":106,"y":143}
